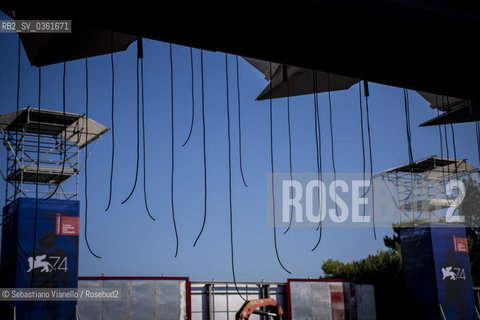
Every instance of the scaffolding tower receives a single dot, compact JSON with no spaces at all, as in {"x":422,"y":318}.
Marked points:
{"x":427,"y":186}
{"x":43,"y":149}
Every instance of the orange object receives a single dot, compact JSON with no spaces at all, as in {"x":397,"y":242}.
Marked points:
{"x":250,"y":307}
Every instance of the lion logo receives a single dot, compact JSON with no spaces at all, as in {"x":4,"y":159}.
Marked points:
{"x":39,"y":263}
{"x":448,"y":273}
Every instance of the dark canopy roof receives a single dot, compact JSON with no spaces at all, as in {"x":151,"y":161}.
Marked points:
{"x":425,"y":45}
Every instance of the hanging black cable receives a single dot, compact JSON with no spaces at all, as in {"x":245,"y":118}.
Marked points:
{"x":454,"y":152}
{"x":138,"y":126}
{"x":34,"y":251}
{"x":362,"y":135}
{"x":204,"y":156}
{"x":289,"y":146}
{"x":445,"y":134}
{"x":86,"y":159}
{"x":446,"y":145}
{"x":239,"y":124}
{"x":230,"y":184}
{"x":15,"y":183}
{"x":332,"y":145}
{"x":112,"y":122}
{"x":407,"y":122}
{"x":143,"y":135}
{"x":439,"y":130}
{"x":173,"y":152}
{"x":409,"y":143}
{"x":272,"y":172}
{"x":64,"y":138}
{"x":318,"y":147}
{"x":193,"y":99}
{"x":453,"y":141}
{"x":366,"y":92}
{"x":441,"y":139}
{"x":16,"y":141}
{"x":447,"y":151}
{"x":454,"y":147}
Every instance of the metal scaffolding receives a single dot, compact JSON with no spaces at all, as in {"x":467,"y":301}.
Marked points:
{"x":427,"y":186}
{"x":43,"y":149}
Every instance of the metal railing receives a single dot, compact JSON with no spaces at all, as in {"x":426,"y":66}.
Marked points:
{"x":46,"y":154}
{"x":217,"y":300}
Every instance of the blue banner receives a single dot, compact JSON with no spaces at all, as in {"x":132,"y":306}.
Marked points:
{"x":40,"y":250}
{"x":437,"y":271}
{"x":452,"y":268}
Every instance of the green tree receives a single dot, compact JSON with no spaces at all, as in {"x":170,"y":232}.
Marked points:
{"x":383,"y":270}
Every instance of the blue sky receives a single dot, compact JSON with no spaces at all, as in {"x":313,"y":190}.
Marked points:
{"x":131,"y":244}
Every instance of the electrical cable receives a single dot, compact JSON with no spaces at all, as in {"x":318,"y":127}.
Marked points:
{"x":193,"y":99}
{"x":454,"y":148}
{"x":113,"y":123}
{"x":445,"y":133}
{"x":143,"y":136}
{"x":272,"y":179}
{"x":289,"y":150}
{"x":37,"y":174}
{"x":86,"y":159}
{"x":319,"y":132}
{"x":454,"y":154}
{"x":407,"y":122}
{"x":16,"y":133}
{"x":409,"y":143}
{"x":441,"y":138}
{"x":239,"y":125}
{"x":362,"y":135}
{"x":63,"y":138}
{"x":16,"y":142}
{"x":366,"y":92}
{"x":230,"y":183}
{"x":138,"y":129}
{"x":453,"y":142}
{"x":332,"y":145}
{"x":446,"y":145}
{"x":318,"y":147}
{"x":441,"y":144}
{"x":204,"y":155}
{"x":446,"y":137}
{"x":16,"y":123}
{"x":173,"y":153}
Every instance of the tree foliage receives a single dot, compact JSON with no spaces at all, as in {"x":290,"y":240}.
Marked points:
{"x":383,"y":270}
{"x":385,"y":265}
